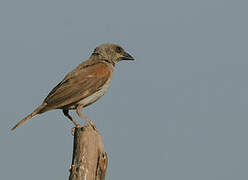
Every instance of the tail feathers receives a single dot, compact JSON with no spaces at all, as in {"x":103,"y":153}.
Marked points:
{"x":30,"y":116}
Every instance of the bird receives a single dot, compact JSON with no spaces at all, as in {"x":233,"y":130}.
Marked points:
{"x":84,"y":85}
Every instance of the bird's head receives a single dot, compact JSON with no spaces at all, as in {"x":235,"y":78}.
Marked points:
{"x":111,"y":53}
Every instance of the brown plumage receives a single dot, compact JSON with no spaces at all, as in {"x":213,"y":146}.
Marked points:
{"x":84,"y":85}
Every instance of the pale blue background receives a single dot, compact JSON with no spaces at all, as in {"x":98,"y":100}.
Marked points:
{"x":180,"y":111}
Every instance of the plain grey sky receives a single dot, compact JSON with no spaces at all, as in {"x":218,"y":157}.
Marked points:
{"x":179,"y":111}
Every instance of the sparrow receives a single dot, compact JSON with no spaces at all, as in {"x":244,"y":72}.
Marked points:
{"x":84,"y":85}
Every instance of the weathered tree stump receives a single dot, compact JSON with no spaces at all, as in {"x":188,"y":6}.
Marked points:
{"x":89,"y":161}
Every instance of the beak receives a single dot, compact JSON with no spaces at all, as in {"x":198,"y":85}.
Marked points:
{"x":127,"y":56}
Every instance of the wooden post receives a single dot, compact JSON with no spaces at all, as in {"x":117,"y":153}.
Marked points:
{"x":89,"y":161}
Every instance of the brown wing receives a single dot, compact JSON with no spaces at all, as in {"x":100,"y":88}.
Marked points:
{"x":77,"y":85}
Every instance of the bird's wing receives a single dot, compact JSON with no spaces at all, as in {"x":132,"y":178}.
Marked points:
{"x":77,"y":85}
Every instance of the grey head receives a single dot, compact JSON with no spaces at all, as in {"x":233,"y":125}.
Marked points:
{"x":112,"y":53}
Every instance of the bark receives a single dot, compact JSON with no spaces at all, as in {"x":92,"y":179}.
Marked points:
{"x":89,"y":161}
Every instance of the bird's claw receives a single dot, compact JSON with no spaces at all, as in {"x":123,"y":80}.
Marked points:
{"x":74,"y":128}
{"x":92,"y":124}
{"x":73,"y":131}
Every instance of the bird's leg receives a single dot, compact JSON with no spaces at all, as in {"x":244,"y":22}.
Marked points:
{"x":66,"y":113}
{"x":80,"y":114}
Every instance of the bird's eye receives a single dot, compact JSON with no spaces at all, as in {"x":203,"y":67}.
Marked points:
{"x":118,"y":49}
{"x":95,"y":50}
